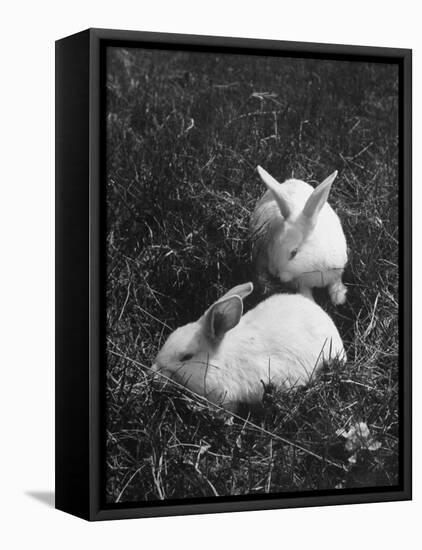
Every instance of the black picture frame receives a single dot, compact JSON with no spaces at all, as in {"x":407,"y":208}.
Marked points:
{"x":79,"y":275}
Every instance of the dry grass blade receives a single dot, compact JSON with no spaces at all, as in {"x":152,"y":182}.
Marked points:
{"x":246,"y":421}
{"x":185,"y":132}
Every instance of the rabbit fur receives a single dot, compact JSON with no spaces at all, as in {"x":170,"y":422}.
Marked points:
{"x":298,"y":238}
{"x":227,"y":357}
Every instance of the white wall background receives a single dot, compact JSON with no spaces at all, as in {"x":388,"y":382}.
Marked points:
{"x":27,"y":271}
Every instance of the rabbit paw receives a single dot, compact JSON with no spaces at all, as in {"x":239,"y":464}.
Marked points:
{"x":338,"y":293}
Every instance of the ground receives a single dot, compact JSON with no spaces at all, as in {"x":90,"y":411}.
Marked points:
{"x":185,"y":132}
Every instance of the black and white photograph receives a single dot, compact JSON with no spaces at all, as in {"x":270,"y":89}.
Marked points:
{"x":210,"y":222}
{"x":252,"y":275}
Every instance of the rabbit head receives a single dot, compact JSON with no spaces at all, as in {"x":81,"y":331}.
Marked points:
{"x":296,"y":225}
{"x":190,"y":351}
{"x":297,"y":236}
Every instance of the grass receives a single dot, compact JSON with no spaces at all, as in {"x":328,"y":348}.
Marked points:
{"x":185,"y":132}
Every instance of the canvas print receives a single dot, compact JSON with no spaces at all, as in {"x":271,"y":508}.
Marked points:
{"x":252,"y":275}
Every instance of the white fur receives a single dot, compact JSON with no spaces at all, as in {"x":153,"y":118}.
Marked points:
{"x":319,"y":239}
{"x":284,"y":339}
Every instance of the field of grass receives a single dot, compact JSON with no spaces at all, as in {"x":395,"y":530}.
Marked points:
{"x":185,"y":132}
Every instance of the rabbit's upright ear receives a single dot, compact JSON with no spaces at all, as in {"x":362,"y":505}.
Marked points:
{"x":273,"y":186}
{"x":318,"y":198}
{"x":240,"y":290}
{"x":222,"y":316}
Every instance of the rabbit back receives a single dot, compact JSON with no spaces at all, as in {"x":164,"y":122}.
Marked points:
{"x":283,"y":340}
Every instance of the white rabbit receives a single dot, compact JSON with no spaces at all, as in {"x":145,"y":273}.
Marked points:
{"x":227,"y":358}
{"x":298,"y":238}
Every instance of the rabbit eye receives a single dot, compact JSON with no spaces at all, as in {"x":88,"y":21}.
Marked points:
{"x":293,"y":253}
{"x":186,"y":357}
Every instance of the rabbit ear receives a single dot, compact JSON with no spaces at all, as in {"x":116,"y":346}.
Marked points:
{"x":318,"y":198}
{"x":223,"y":316}
{"x":240,"y":290}
{"x":273,"y":185}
